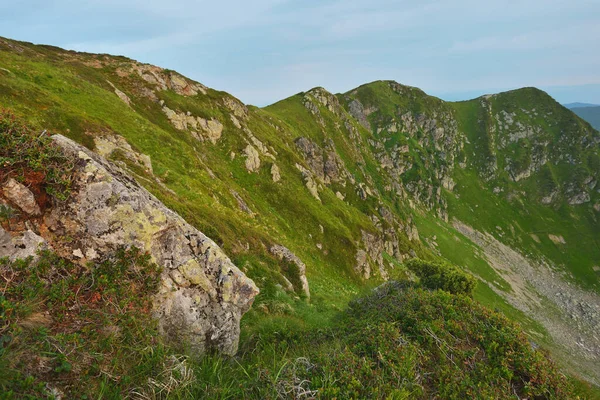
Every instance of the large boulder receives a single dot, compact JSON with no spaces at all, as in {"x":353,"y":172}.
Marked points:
{"x":202,"y":295}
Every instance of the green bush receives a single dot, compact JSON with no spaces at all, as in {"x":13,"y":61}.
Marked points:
{"x":444,"y":276}
{"x":33,"y":158}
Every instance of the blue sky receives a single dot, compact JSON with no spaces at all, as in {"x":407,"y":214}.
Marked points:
{"x":264,"y":50}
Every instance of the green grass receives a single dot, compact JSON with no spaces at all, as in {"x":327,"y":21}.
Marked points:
{"x":65,"y":93}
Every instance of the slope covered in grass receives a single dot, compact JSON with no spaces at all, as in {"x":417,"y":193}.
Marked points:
{"x":353,"y":184}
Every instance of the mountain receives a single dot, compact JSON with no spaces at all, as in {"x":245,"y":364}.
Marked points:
{"x":320,"y":197}
{"x":571,"y":106}
{"x":589,"y":114}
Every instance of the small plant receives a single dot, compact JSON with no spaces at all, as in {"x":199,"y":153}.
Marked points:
{"x":32,"y":157}
{"x":7,"y":213}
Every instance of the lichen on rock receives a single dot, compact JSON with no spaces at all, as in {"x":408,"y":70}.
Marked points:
{"x":202,"y":295}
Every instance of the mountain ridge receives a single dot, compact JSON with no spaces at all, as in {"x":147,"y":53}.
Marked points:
{"x":351,"y":184}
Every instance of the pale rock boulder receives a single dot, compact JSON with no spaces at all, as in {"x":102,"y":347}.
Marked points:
{"x":252,"y":158}
{"x":275,"y":174}
{"x":19,"y":195}
{"x":107,"y":145}
{"x":202,"y":295}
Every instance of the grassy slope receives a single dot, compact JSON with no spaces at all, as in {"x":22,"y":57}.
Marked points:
{"x":59,"y":92}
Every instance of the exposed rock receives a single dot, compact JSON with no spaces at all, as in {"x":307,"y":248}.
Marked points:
{"x":241,"y":203}
{"x":163,"y":80}
{"x":211,"y":129}
{"x":202,"y":295}
{"x":275,"y":174}
{"x":579,"y":198}
{"x":310,"y":183}
{"x":557,"y":239}
{"x":120,"y":94}
{"x":238,"y":109}
{"x":22,"y":245}
{"x":283,"y":253}
{"x":362,"y":266}
{"x":357,"y":110}
{"x":252,"y":158}
{"x":326,"y":166}
{"x":339,"y":196}
{"x":108,"y":144}
{"x":20,"y":196}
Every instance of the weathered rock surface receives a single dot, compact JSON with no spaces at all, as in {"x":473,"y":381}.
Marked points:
{"x":107,"y":145}
{"x":202,"y":295}
{"x":252,"y":158}
{"x":283,"y":253}
{"x":20,"y":196}
{"x":202,"y":129}
{"x":275,"y":174}
{"x":22,"y":245}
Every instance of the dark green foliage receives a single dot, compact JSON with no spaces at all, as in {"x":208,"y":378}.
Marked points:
{"x":32,"y":157}
{"x":444,"y":276}
{"x":400,"y":342}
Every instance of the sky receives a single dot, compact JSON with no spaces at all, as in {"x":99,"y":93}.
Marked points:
{"x":262,"y":51}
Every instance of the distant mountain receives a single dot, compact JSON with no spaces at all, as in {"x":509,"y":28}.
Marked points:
{"x":589,"y":113}
{"x":571,"y":106}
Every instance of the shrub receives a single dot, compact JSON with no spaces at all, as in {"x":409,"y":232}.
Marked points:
{"x":444,"y":276}
{"x":33,"y":158}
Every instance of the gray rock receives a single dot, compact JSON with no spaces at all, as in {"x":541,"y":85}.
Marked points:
{"x":23,"y":245}
{"x":202,"y":295}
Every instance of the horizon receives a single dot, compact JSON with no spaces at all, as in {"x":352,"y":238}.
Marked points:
{"x":272,"y":49}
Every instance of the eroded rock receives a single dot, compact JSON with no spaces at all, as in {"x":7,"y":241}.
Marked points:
{"x":252,"y":158}
{"x":202,"y":295}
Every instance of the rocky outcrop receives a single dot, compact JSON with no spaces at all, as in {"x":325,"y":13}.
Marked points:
{"x":252,"y":158}
{"x":108,"y":145}
{"x":309,"y":181}
{"x":202,"y":129}
{"x":275,"y":174}
{"x":202,"y":295}
{"x":325,"y":165}
{"x":163,"y":79}
{"x":283,"y":253}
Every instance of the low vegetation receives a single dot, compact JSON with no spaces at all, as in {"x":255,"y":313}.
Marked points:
{"x":87,"y":332}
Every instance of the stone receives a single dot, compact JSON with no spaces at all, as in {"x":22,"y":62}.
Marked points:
{"x":275,"y":174}
{"x":21,"y":246}
{"x":283,"y":253}
{"x":241,"y":203}
{"x":252,"y":159}
{"x":106,"y":146}
{"x":200,"y":305}
{"x":19,"y":195}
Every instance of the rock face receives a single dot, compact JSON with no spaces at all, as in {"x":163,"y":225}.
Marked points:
{"x":283,"y":253}
{"x":202,"y":295}
{"x":252,"y":158}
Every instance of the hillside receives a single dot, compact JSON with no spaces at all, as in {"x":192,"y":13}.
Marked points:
{"x":320,"y":197}
{"x":590,"y":114}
